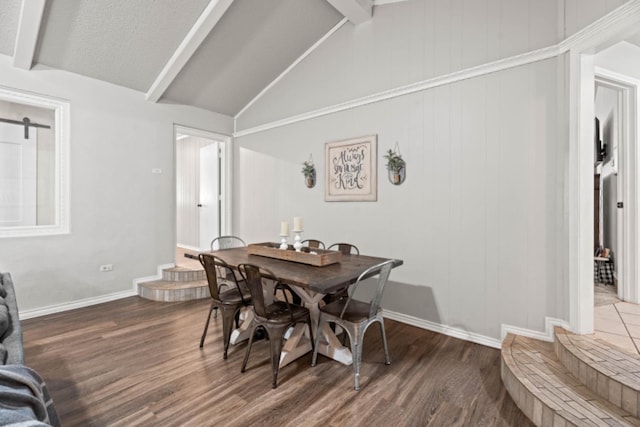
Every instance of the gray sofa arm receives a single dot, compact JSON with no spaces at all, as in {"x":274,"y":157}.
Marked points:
{"x":11,"y":340}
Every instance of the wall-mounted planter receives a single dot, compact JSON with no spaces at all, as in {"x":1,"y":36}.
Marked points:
{"x":309,"y":172}
{"x":397,"y":177}
{"x":396,"y":166}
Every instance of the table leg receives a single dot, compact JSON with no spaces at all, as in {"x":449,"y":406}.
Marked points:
{"x":242,"y":333}
{"x":329,"y":344}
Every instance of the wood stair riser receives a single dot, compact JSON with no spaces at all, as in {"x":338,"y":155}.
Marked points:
{"x":169,"y":294}
{"x":182,"y":275}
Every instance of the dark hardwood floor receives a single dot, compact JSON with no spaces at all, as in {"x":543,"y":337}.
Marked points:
{"x":135,"y":362}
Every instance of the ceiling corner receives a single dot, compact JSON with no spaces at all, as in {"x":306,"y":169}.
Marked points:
{"x":356,"y":11}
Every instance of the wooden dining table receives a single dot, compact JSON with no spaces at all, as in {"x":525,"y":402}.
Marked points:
{"x":311,"y":284}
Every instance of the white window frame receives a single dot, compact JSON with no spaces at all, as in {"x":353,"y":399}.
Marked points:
{"x":62,"y":141}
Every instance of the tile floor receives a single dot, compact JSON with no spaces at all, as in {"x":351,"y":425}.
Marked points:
{"x":617,"y":322}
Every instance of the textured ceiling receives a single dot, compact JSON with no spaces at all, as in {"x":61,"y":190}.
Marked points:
{"x":248,"y":49}
{"x":130,"y":42}
{"x":126,"y":42}
{"x":9,"y":16}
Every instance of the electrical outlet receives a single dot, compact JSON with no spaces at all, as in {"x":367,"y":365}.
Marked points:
{"x":106,"y":267}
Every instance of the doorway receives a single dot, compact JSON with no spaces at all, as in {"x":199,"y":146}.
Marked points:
{"x":200,"y":188}
{"x":609,"y":151}
{"x":616,"y":106}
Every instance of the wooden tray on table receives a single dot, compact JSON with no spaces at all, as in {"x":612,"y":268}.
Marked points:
{"x":310,"y":256}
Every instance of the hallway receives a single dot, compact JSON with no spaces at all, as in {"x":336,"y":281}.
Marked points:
{"x":615,"y":321}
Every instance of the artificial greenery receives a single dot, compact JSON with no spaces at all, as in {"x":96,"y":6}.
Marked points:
{"x":395,"y":162}
{"x":308,"y":169}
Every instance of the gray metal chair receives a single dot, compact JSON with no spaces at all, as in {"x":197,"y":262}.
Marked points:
{"x":226,"y":242}
{"x":274,"y":318}
{"x":345,"y":248}
{"x":229,"y":301}
{"x":313,"y":243}
{"x":354,"y":317}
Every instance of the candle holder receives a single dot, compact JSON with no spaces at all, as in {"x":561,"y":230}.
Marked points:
{"x":297,"y":245}
{"x":283,"y":242}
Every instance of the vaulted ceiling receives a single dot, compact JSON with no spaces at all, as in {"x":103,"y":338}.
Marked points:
{"x":213,"y":54}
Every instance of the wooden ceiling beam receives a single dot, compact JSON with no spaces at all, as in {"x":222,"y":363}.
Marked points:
{"x":194,"y":38}
{"x":356,"y":11}
{"x":28,"y":29}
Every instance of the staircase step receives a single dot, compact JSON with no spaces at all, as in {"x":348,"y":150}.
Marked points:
{"x":607,"y":370}
{"x":547,"y":392}
{"x":183,"y":274}
{"x":164,"y":290}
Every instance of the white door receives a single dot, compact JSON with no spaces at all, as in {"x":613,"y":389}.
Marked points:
{"x":209,"y":194}
{"x":17,"y":176}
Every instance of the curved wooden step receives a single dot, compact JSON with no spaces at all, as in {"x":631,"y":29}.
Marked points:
{"x":163,"y":290}
{"x":545,"y":390}
{"x":183,"y":274}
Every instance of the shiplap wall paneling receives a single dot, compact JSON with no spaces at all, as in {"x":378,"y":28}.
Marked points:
{"x":188,"y":190}
{"x":406,"y":43}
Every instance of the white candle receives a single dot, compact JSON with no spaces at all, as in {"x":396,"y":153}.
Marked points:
{"x":284,"y":228}
{"x":297,"y":223}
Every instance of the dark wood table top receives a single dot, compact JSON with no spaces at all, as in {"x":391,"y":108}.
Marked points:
{"x":325,"y":279}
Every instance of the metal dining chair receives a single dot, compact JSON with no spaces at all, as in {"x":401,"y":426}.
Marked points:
{"x":354,"y":317}
{"x":313,"y":243}
{"x":274,"y":318}
{"x":227,"y":242}
{"x":345,"y":248}
{"x":229,"y":301}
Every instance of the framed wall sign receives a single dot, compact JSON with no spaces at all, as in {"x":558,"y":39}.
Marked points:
{"x":351,"y":170}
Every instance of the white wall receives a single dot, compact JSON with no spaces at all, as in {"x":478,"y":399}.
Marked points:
{"x":408,"y":42}
{"x":480,"y":221}
{"x":121,"y":213}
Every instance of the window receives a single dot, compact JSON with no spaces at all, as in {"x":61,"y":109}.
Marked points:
{"x":34,"y":153}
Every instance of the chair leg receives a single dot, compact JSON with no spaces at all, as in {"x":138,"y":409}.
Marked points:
{"x":356,"y":338}
{"x":384,"y":343}
{"x":276,"y":335}
{"x":206,"y":325}
{"x":246,"y":353}
{"x":215,"y":312}
{"x":228,"y":315}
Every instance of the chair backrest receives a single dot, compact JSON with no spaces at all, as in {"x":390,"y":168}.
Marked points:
{"x":345,"y":248}
{"x":226,"y":242}
{"x":253,"y":278}
{"x":215,"y":267}
{"x":313,"y":243}
{"x":208,"y":261}
{"x":382,"y":270}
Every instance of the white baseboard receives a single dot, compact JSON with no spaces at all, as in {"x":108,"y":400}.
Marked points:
{"x":443,"y":329}
{"x":547,"y":335}
{"x":57,"y":308}
{"x":158,"y":276}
